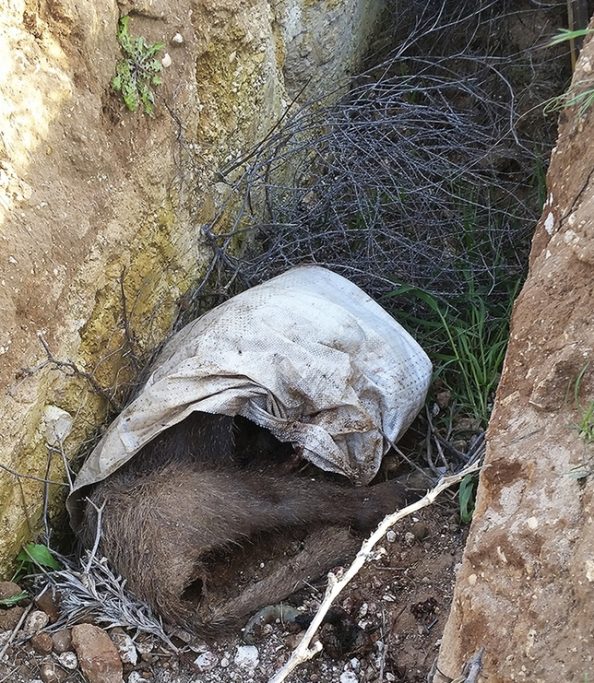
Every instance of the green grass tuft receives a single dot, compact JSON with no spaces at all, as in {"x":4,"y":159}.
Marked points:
{"x":580,"y":94}
{"x":32,"y":557}
{"x":469,"y":342}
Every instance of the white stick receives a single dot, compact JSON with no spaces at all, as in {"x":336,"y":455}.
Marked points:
{"x":303,"y":651}
{"x":91,"y":556}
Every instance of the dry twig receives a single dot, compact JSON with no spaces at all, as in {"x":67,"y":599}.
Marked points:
{"x":93,"y":553}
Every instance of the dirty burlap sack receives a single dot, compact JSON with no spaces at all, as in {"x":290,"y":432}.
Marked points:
{"x":307,"y":355}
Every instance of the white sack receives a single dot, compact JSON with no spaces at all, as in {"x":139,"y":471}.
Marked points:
{"x":308,"y":355}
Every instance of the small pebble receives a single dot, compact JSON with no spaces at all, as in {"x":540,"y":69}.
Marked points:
{"x":292,"y":640}
{"x":177,"y":39}
{"x":144,"y":645}
{"x":206,"y":661}
{"x":35,"y":622}
{"x":9,"y":589}
{"x":348,"y":677}
{"x":68,"y":660}
{"x":50,"y":672}
{"x":42,"y":643}
{"x":125,"y":645}
{"x":98,"y":656}
{"x":137,"y":677}
{"x":247,"y":657}
{"x":49,"y":602}
{"x":225,"y":662}
{"x":9,"y":618}
{"x":443,"y":399}
{"x":390,"y":536}
{"x":409,"y":538}
{"x":62,"y":641}
{"x":420,"y":530}
{"x":166,"y":61}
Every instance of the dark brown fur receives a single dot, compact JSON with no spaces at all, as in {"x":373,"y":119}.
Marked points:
{"x":191,"y":496}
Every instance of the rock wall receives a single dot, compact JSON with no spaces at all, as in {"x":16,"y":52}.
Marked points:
{"x":100,"y":209}
{"x":525,"y":589}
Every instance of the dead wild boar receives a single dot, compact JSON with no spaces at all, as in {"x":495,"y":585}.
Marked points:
{"x":195,"y":493}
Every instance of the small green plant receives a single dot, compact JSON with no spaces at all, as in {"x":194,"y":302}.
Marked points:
{"x":469,"y":341}
{"x":585,"y":424}
{"x":565,"y":34}
{"x":139,"y":72}
{"x":35,"y":555}
{"x":467,"y":497}
{"x":580,"y":94}
{"x":14,"y":599}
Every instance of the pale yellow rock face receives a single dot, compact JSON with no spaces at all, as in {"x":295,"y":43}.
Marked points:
{"x":99,"y":206}
{"x":525,"y":589}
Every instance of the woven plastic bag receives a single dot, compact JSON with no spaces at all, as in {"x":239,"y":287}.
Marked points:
{"x":307,"y":355}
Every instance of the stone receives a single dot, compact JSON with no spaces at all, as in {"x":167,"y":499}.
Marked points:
{"x":125,"y":646}
{"x":443,"y":399}
{"x":246,"y":657}
{"x":50,"y":672}
{"x":68,"y":660}
{"x":206,"y":661}
{"x":137,"y":677}
{"x":9,"y":589}
{"x":10,"y":617}
{"x":348,"y":677}
{"x":62,"y":641}
{"x":97,"y":655}
{"x":49,"y":602}
{"x":35,"y":622}
{"x":144,"y":645}
{"x":42,"y":643}
{"x":58,"y":425}
{"x":420,"y":530}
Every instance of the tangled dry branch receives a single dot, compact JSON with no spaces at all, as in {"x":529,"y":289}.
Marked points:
{"x":418,"y":175}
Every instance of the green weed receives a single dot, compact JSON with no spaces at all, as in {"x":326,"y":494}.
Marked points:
{"x":470,"y":341}
{"x":580,"y":94}
{"x":564,"y":35}
{"x":585,"y":424}
{"x":139,"y":72}
{"x":14,"y":599}
{"x":467,"y":497}
{"x":32,"y":556}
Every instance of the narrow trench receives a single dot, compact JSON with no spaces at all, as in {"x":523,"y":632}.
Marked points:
{"x":422,"y":184}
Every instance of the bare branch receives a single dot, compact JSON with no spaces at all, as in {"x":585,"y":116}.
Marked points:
{"x":93,"y":553}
